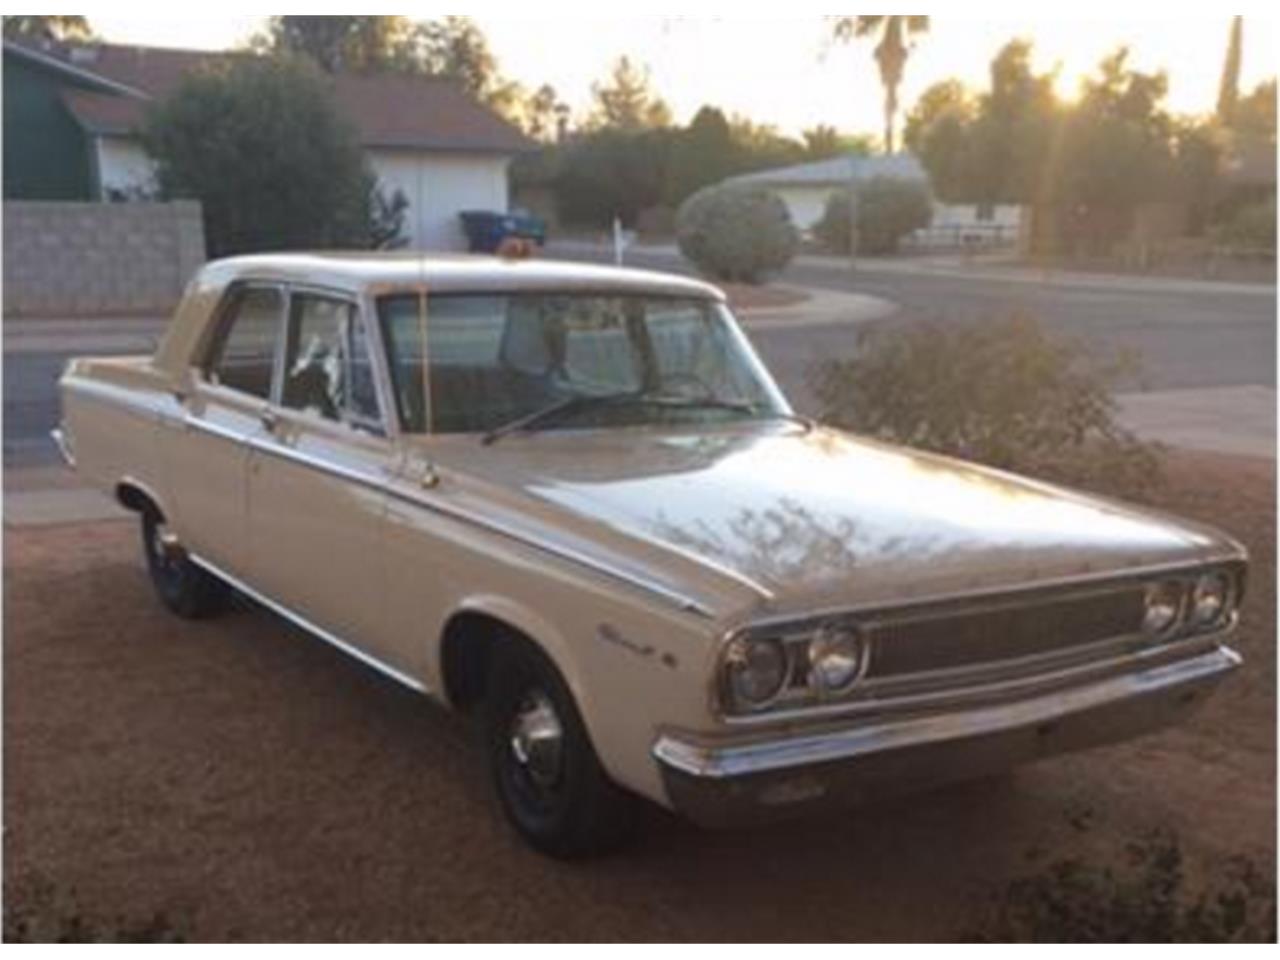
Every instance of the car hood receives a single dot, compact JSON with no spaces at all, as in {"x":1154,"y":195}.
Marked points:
{"x":794,"y":518}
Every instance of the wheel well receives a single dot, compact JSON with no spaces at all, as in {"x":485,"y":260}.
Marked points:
{"x":467,"y":645}
{"x":132,"y":497}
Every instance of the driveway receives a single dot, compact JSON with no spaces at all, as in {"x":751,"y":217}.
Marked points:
{"x":235,"y":779}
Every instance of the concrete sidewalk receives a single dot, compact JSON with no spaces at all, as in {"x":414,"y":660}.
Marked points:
{"x":1236,"y":420}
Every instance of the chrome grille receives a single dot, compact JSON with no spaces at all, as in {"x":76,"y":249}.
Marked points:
{"x":961,"y":639}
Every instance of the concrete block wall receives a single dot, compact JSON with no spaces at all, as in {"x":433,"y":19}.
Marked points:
{"x":83,"y":259}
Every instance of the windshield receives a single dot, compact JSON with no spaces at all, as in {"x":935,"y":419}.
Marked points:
{"x":500,"y":359}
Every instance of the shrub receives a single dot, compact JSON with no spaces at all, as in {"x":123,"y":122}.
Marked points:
{"x":1144,"y":902}
{"x":1003,"y":393}
{"x":1251,"y":228}
{"x":260,"y":143}
{"x":736,"y":232}
{"x":889,"y":208}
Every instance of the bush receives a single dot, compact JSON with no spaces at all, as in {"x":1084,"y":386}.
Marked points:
{"x":1146,"y":902}
{"x":889,"y":208}
{"x":260,"y":143}
{"x":736,"y":232}
{"x":1251,"y":228}
{"x":1003,"y":393}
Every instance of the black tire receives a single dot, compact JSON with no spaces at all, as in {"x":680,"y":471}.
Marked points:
{"x":568,"y":807}
{"x":186,"y":589}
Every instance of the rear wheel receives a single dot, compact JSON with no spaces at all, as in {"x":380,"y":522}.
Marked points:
{"x":186,"y":589}
{"x":548,"y":777}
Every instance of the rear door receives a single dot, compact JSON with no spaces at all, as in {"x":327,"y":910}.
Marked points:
{"x":231,"y":391}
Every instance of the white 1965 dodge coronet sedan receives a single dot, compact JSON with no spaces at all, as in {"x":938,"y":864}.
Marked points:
{"x":572,"y":499}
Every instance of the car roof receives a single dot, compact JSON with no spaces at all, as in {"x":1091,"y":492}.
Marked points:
{"x":378,"y":272}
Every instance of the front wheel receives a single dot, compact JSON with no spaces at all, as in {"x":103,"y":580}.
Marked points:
{"x":548,"y":777}
{"x":185,"y":588}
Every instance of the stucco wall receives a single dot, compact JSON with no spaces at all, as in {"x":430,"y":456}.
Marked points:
{"x":64,"y":259}
{"x":438,"y":186}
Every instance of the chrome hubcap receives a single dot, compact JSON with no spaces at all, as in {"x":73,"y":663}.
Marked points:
{"x":537,"y":738}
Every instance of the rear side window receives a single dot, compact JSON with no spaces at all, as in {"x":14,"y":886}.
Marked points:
{"x":244,"y":356}
{"x":327,"y":369}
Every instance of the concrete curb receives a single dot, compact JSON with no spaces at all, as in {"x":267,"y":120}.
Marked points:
{"x":822,"y":308}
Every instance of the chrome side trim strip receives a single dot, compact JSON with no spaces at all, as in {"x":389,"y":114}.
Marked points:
{"x":719,"y":762}
{"x":382,"y":485}
{"x":215,"y":429}
{"x":310,"y":627}
{"x":113,"y":394}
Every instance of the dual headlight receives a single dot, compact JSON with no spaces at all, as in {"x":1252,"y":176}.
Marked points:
{"x":761,"y":672}
{"x":1180,"y":605}
{"x":758,"y":671}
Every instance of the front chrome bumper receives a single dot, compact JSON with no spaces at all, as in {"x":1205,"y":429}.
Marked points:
{"x":717,"y":783}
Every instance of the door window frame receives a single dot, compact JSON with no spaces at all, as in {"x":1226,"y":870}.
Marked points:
{"x":382,"y":426}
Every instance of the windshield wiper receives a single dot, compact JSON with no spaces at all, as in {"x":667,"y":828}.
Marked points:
{"x":582,"y":401}
{"x":568,"y":405}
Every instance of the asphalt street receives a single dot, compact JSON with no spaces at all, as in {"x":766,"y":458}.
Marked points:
{"x":1186,"y":335}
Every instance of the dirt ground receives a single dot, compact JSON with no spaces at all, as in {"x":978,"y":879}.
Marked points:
{"x":241,"y":781}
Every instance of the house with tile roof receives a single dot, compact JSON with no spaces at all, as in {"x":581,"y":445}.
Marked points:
{"x":73,"y":116}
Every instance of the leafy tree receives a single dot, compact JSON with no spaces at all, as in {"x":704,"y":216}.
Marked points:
{"x":259,"y":142}
{"x":701,"y":154}
{"x":626,"y":100}
{"x":611,"y":172}
{"x":340,"y":43}
{"x":939,"y":131}
{"x":1229,"y":88}
{"x":453,"y":47}
{"x":1013,"y":130}
{"x":1255,"y":114}
{"x":1114,"y":152}
{"x":822,"y":142}
{"x":891,"y":53}
{"x":544,"y":116}
{"x":54,"y":29}
{"x":456,"y":47}
{"x":760,"y":145}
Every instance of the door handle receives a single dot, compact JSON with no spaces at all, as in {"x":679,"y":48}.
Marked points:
{"x":269,"y":419}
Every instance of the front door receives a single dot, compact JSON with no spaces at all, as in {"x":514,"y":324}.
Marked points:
{"x":317,"y":470}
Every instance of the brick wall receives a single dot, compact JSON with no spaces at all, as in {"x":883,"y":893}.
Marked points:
{"x":76,"y":259}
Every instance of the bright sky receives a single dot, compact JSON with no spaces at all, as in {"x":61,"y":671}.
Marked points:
{"x":786,"y":72}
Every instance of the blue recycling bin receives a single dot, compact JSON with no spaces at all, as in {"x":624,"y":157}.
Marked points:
{"x":486,"y":229}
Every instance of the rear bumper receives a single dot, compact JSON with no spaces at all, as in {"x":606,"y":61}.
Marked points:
{"x":63,"y":442}
{"x":718,"y":784}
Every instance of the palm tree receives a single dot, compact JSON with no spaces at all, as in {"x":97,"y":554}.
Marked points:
{"x":891,"y":54}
